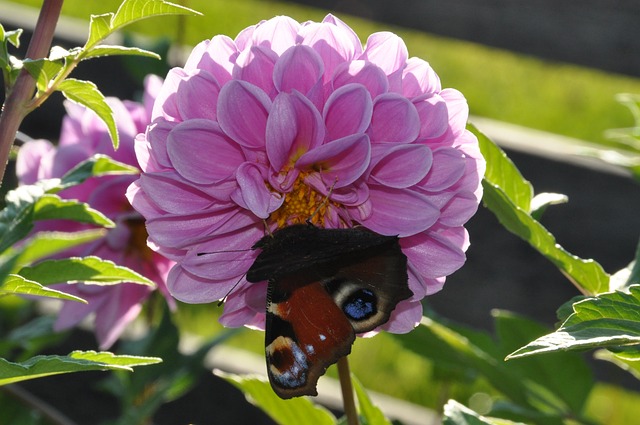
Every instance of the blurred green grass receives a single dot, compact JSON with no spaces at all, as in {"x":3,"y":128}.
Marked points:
{"x":555,"y":97}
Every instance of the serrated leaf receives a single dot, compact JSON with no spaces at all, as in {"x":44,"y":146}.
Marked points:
{"x":119,"y":50}
{"x":99,"y":29}
{"x":87,"y":94}
{"x":77,"y":361}
{"x":608,"y":320}
{"x":52,"y":207}
{"x":13,"y":37}
{"x":133,"y":10}
{"x":511,"y":202}
{"x":630,"y":364}
{"x":43,"y":71}
{"x":89,"y":270}
{"x":369,"y":413}
{"x":97,"y":165}
{"x":297,"y":411}
{"x":18,"y":285}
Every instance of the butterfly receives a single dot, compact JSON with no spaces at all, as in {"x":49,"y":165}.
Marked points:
{"x":324,"y":287}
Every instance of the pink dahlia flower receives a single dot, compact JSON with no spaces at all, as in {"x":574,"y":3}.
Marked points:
{"x":290,"y":122}
{"x":82,"y":136}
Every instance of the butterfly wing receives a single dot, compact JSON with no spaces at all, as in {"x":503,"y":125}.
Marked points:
{"x":306,"y":332}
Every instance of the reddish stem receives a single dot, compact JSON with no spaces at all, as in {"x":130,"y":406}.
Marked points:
{"x":14,"y":109}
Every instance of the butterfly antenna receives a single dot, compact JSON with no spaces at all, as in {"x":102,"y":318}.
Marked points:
{"x":224,"y":299}
{"x":324,"y":202}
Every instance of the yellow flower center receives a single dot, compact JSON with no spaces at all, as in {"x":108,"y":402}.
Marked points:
{"x":302,"y":204}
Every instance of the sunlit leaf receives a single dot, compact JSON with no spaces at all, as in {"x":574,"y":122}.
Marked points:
{"x":50,"y":207}
{"x":43,"y":71}
{"x":18,"y":285}
{"x":87,"y":94}
{"x":99,"y":29}
{"x":133,"y":10}
{"x":297,"y":411}
{"x":88,"y":270}
{"x":97,"y":165}
{"x":77,"y":361}
{"x":608,"y":320}
{"x":541,"y":201}
{"x":119,"y":50}
{"x":370,"y":414}
{"x":511,"y":202}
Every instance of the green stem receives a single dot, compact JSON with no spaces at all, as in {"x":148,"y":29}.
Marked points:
{"x":15,"y":106}
{"x":348,"y":399}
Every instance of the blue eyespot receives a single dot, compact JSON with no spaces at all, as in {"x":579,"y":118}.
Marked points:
{"x":360,"y":305}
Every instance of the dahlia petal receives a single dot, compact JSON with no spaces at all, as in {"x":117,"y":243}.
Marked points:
{"x":107,"y":197}
{"x":418,"y":78}
{"x":340,"y":162}
{"x":217,"y":56}
{"x":166,"y":105}
{"x":400,"y":166}
{"x":458,"y":110}
{"x":245,"y":306}
{"x":277,"y":33}
{"x":361,"y":72}
{"x":333,"y":43}
{"x":434,"y":116}
{"x":448,"y":167}
{"x":225,"y":257}
{"x":386,"y":50}
{"x":256,"y":195}
{"x":399,"y":211}
{"x":459,"y":209}
{"x":394,"y":119}
{"x":404,"y":318}
{"x":28,"y":162}
{"x":189,"y":288}
{"x":200,"y":152}
{"x":242,"y":113}
{"x":73,"y":313}
{"x":156,"y":135}
{"x":255,"y":65}
{"x":348,"y":111}
{"x":433,"y":255}
{"x":184,"y":199}
{"x":114,"y":316}
{"x":197,"y":96}
{"x":299,"y":68}
{"x":294,"y":127}
{"x":348,"y":32}
{"x":141,"y":202}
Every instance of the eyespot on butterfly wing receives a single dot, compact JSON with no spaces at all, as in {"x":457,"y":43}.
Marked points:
{"x":324,"y":287}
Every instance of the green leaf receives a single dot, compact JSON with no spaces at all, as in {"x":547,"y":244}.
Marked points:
{"x":51,"y":207}
{"x":87,"y":94}
{"x":77,"y":361}
{"x":528,"y":384}
{"x":296,"y":411}
{"x":458,"y":414}
{"x":15,"y":285}
{"x":119,"y":50}
{"x":88,"y":270}
{"x":97,"y":165}
{"x":133,"y":10}
{"x":129,"y":12}
{"x":99,"y":29}
{"x":501,"y":171}
{"x":541,"y":201}
{"x":46,"y":244}
{"x":369,"y":413}
{"x":43,"y":71}
{"x":608,"y":320}
{"x":626,"y":362}
{"x":509,"y":198}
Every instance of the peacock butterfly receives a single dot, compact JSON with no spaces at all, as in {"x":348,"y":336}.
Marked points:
{"x":324,"y":287}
